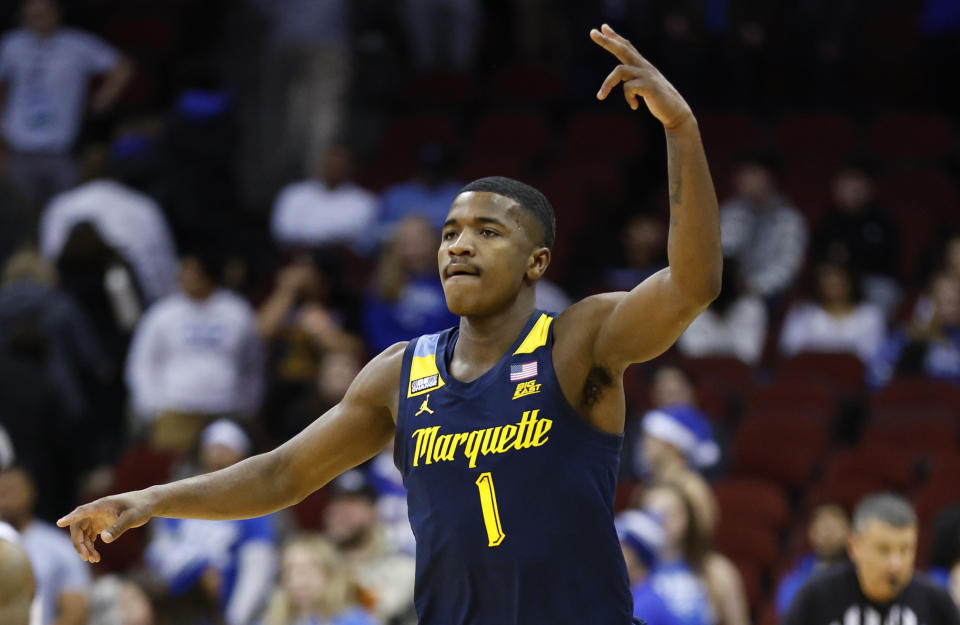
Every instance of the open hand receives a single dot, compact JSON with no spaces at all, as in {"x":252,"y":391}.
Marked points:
{"x":640,"y":80}
{"x":108,"y":517}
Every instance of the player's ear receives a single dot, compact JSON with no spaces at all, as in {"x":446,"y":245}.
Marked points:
{"x":537,"y":263}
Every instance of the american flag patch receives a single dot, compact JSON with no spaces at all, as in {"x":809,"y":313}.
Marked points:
{"x":523,"y":371}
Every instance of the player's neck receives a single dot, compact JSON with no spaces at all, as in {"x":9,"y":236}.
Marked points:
{"x":484,"y":340}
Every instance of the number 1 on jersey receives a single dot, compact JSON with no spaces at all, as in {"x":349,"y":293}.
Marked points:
{"x":491,"y":514}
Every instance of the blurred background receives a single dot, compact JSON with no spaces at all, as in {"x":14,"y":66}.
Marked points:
{"x":212,"y":214}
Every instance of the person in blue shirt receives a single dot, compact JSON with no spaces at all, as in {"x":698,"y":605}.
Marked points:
{"x":407,"y":299}
{"x":641,"y":538}
{"x":828,"y":531}
{"x":231,"y":562}
{"x":428,"y":196}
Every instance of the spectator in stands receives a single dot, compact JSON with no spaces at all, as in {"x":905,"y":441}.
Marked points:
{"x":19,"y":587}
{"x":734,"y":325}
{"x":130,"y":222}
{"x":879,"y":585}
{"x":836,"y":319}
{"x":643,"y":248}
{"x":678,"y":576}
{"x":45,"y":69}
{"x":929,"y":348}
{"x":120,"y":600}
{"x":386,"y":478}
{"x":31,"y":304}
{"x":384,"y":575}
{"x":857,"y":232}
{"x":827,"y":532}
{"x":196,"y":355}
{"x":408,"y":298}
{"x":443,"y":34}
{"x":762,"y":229}
{"x":18,"y":217}
{"x":314,"y":587}
{"x":302,"y":319}
{"x":63,"y":581}
{"x":641,"y":539}
{"x":429,"y":195}
{"x":328,"y":209}
{"x":336,"y":371}
{"x":231,"y":562}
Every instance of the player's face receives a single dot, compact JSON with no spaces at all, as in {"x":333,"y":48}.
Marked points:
{"x":487,"y":253}
{"x":884,"y":556}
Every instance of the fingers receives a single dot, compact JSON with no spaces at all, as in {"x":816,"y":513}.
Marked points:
{"x":620,"y":73}
{"x":634,"y":88}
{"x":77,"y":514}
{"x":616,"y":45}
{"x":83,"y":539}
{"x":123,"y":523}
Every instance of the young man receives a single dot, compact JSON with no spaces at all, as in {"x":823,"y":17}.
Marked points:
{"x":879,"y":586}
{"x":507,"y":429}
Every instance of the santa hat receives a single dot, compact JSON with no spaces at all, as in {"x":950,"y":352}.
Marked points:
{"x":684,"y":427}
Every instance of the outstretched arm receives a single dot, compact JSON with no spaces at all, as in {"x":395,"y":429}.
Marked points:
{"x":351,"y":432}
{"x":646,"y":321}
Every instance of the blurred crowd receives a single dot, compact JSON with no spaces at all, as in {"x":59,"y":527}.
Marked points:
{"x":211,"y":217}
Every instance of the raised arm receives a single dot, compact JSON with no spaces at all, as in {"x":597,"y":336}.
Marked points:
{"x":351,"y":432}
{"x":643,"y":323}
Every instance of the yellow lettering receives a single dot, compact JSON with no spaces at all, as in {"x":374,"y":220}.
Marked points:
{"x":531,"y":425}
{"x":473,"y":446}
{"x":490,"y":438}
{"x":522,"y":428}
{"x":543,"y":426}
{"x":457,"y":439}
{"x":440,"y":449}
{"x":509,"y":431}
{"x":425,"y":437}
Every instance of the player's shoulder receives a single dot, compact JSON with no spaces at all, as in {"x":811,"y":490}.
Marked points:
{"x":379,"y":380}
{"x":583,"y":318}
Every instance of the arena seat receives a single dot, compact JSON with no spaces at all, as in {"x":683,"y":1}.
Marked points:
{"x":911,"y":134}
{"x":758,"y":499}
{"x":523,"y":135}
{"x":900,"y":428}
{"x":892,"y":467}
{"x":728,"y":134}
{"x":841,"y":372}
{"x":847,"y":493}
{"x":816,"y":136}
{"x":786,"y":451}
{"x":743,"y":541}
{"x":530,"y":84}
{"x":724,"y":372}
{"x":922,"y":395}
{"x":589,"y":134}
{"x":789,"y":398}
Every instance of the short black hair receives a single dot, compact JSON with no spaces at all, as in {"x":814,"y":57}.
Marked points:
{"x":529,"y":199}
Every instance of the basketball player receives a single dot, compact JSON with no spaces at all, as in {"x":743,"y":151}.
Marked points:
{"x":508,"y":428}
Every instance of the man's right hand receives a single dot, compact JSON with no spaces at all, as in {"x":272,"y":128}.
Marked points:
{"x":108,"y":517}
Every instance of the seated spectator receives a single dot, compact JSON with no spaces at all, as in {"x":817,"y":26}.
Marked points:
{"x":130,"y":222}
{"x":120,"y":600}
{"x":828,"y":531}
{"x":18,"y":590}
{"x":734,"y":325}
{"x":408,"y":298}
{"x":304,"y":318}
{"x":641,"y":539}
{"x":836,"y":320}
{"x":678,"y":576}
{"x":384,"y":575}
{"x":337,"y":370}
{"x":762,"y":229}
{"x":929,"y":348}
{"x":63,"y":580}
{"x":428,"y":196}
{"x":642,"y":252}
{"x":676,"y":439}
{"x":856,"y":231}
{"x":196,"y":355}
{"x":328,"y":209}
{"x":385,"y":477}
{"x":232,"y":563}
{"x":314,"y":587}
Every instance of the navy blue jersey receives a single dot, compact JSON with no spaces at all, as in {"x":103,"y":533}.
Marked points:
{"x":510,"y":492}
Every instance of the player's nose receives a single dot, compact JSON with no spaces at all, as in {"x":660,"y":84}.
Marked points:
{"x":462,"y":245}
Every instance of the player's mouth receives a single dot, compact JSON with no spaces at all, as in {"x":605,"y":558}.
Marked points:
{"x":461,"y":270}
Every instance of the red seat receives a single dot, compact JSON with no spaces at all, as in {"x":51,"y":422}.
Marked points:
{"x":803,"y":398}
{"x":847,"y":493}
{"x":906,"y":190}
{"x":722,"y":372}
{"x":893,"y":468}
{"x":901,"y":429}
{"x":534,"y":84}
{"x":742,"y":541}
{"x":404,"y":135}
{"x":786,"y":451}
{"x":727,"y":134}
{"x":921,"y":397}
{"x":751,"y":574}
{"x":758,"y":499}
{"x":841,"y":372}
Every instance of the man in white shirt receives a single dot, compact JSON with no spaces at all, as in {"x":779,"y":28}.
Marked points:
{"x":62,"y":582}
{"x":195,"y":355}
{"x":44,"y":71}
{"x":328,"y":209}
{"x":129,"y":221}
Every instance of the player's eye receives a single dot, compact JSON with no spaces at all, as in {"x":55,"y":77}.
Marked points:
{"x":487,"y":232}
{"x":448,"y":235}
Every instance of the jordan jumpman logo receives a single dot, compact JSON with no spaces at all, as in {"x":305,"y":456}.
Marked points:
{"x":424,"y":407}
